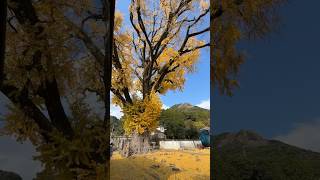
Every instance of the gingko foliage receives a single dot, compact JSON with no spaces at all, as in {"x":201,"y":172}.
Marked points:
{"x":232,"y":21}
{"x":153,"y":55}
{"x":142,"y":115}
{"x":49,"y":45}
{"x":64,"y":158}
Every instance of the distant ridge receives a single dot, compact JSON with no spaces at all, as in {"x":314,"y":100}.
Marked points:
{"x":247,"y":155}
{"x":182,"y":106}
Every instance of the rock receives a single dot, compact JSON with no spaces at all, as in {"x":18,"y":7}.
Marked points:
{"x":176,"y":169}
{"x":163,"y":161}
{"x":155,"y":166}
{"x":5,"y":175}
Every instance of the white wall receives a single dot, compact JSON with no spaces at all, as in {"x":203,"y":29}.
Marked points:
{"x":183,"y":144}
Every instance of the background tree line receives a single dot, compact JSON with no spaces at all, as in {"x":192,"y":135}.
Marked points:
{"x":181,"y":121}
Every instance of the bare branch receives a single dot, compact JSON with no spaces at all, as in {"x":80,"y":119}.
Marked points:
{"x":143,"y":28}
{"x":91,"y":16}
{"x":118,"y":94}
{"x":20,"y":99}
{"x":90,"y":45}
{"x":11,"y":25}
{"x":195,"y":48}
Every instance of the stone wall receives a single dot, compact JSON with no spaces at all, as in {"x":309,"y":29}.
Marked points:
{"x":179,"y":144}
{"x":119,"y":141}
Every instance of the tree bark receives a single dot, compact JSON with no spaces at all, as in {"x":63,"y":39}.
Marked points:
{"x":27,"y":16}
{"x":108,"y":14}
{"x":20,"y":99}
{"x":139,"y":144}
{"x":3,"y":23}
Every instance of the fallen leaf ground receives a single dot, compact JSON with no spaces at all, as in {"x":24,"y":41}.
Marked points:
{"x":163,"y":165}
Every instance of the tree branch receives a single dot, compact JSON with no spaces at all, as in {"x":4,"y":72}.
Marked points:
{"x":118,"y":66}
{"x":20,"y":99}
{"x":143,"y":28}
{"x":195,"y":48}
{"x":91,"y":16}
{"x":26,"y":16}
{"x":93,"y":49}
{"x":216,"y":13}
{"x":3,"y":22}
{"x":118,"y":94}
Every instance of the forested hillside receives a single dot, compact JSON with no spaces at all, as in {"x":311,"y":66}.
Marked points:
{"x":183,"y":121}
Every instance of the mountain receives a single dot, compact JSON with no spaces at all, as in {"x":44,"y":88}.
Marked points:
{"x":183,"y":106}
{"x":248,"y":156}
{"x":5,"y":175}
{"x":183,"y":121}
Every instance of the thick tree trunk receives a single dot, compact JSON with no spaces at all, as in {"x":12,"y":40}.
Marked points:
{"x":108,"y":14}
{"x":139,"y":144}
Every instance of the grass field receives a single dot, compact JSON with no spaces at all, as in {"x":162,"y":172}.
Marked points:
{"x":163,"y":165}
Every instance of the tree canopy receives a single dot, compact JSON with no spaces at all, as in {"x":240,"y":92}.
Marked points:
{"x":153,"y":56}
{"x":232,"y":21}
{"x":47,"y":47}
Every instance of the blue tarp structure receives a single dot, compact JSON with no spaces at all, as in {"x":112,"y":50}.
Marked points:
{"x":205,"y":137}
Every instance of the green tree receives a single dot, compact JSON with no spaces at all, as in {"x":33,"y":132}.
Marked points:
{"x":116,"y":126}
{"x":184,"y":122}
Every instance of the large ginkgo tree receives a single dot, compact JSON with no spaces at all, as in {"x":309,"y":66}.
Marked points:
{"x":152,"y":56}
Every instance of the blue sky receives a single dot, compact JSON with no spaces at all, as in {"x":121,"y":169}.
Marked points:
{"x":197,"y":85}
{"x":279,"y":82}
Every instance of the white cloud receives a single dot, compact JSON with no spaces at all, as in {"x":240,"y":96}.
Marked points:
{"x":204,"y":104}
{"x":165,"y":106}
{"x":116,"y":111}
{"x":304,"y":135}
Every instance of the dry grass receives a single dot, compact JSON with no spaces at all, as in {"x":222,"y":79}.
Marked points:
{"x":163,"y":165}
